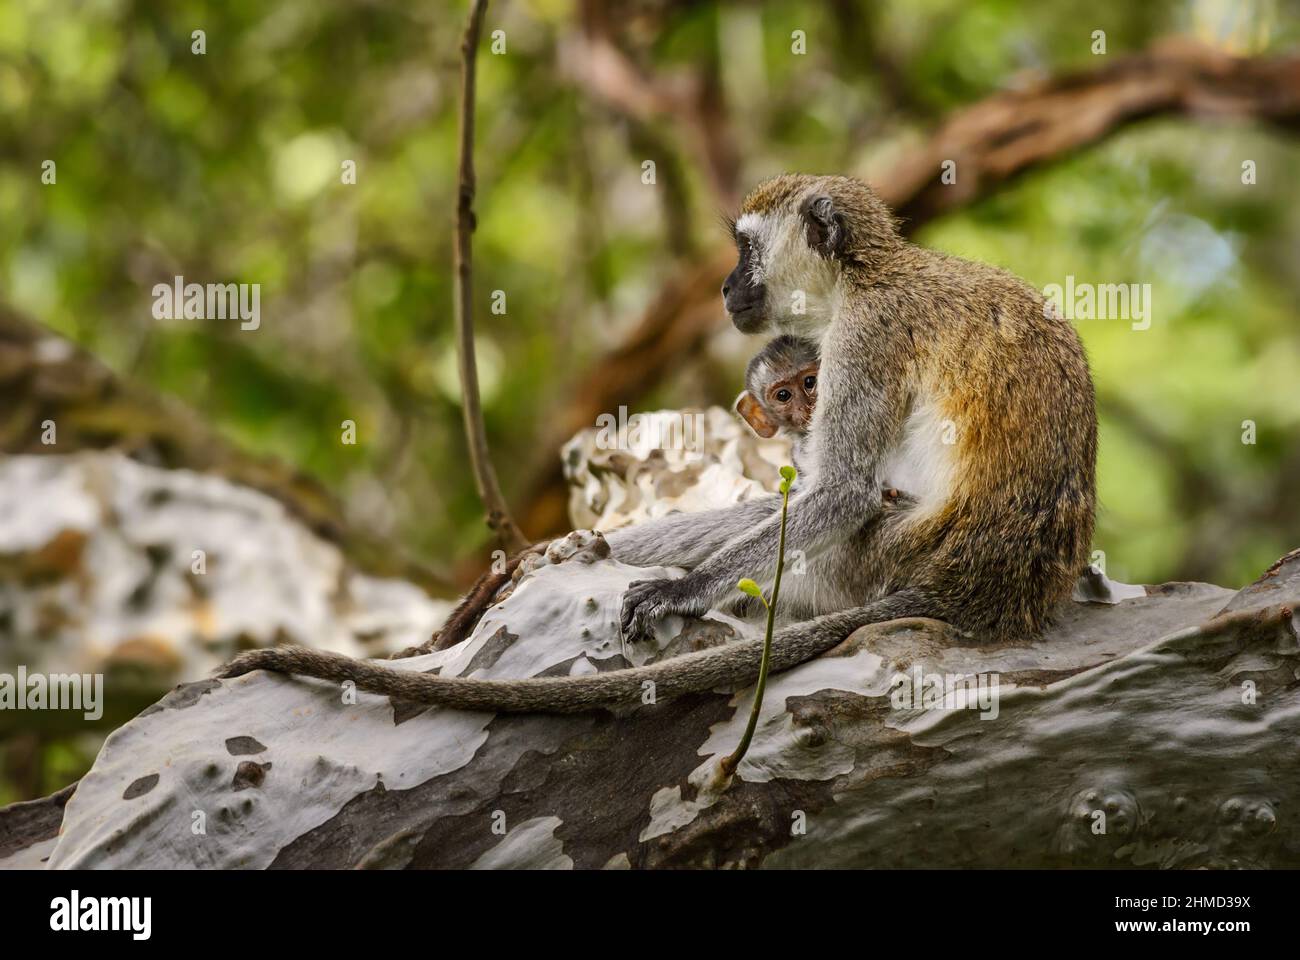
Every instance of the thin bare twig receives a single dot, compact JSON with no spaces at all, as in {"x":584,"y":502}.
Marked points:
{"x":498,"y":514}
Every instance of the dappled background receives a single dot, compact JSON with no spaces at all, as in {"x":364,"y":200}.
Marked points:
{"x":226,"y":167}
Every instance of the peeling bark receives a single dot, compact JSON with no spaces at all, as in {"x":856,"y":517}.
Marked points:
{"x":1130,"y":714}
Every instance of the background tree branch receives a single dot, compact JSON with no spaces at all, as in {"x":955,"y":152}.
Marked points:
{"x":44,"y":377}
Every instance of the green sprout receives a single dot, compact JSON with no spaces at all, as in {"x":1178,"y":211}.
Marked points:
{"x":748,"y":586}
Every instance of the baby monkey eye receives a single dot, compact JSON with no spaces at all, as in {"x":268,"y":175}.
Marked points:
{"x":810,"y":382}
{"x":783,"y":395}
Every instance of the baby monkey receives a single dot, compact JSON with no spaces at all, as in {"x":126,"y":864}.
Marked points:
{"x":779,"y":396}
{"x":781,"y":388}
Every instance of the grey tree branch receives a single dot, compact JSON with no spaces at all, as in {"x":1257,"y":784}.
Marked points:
{"x":485,"y":478}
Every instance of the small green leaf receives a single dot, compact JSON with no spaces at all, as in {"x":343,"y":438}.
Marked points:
{"x":789,"y":473}
{"x":750,"y":587}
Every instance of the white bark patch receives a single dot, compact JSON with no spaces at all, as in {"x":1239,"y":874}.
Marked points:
{"x":778,"y":748}
{"x":530,"y":846}
{"x":322,"y":754}
{"x":122,"y":536}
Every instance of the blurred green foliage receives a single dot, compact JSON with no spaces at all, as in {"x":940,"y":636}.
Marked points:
{"x":225,"y":167}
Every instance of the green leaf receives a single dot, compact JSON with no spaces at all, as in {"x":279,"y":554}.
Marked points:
{"x":750,"y":587}
{"x":787,"y":478}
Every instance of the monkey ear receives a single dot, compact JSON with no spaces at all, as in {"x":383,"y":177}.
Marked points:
{"x":751,"y":411}
{"x":824,"y":226}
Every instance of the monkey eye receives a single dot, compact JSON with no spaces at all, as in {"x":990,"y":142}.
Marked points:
{"x":810,"y":383}
{"x":783,"y":395}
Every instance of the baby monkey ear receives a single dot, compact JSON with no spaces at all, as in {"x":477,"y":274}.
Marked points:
{"x":751,"y":411}
{"x":824,"y":226}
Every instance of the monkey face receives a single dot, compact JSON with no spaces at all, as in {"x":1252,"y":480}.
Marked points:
{"x":790,"y":401}
{"x":744,"y":295}
{"x":786,"y":266}
{"x":786,"y":404}
{"x":794,"y":236}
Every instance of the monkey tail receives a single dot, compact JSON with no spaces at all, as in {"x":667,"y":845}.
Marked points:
{"x":733,"y":663}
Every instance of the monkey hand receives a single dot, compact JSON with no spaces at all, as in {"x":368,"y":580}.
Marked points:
{"x":647,"y":601}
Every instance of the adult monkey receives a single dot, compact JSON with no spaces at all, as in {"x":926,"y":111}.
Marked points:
{"x":952,"y":380}
{"x":949,"y":379}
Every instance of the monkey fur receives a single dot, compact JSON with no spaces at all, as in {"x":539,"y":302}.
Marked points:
{"x":950,"y":379}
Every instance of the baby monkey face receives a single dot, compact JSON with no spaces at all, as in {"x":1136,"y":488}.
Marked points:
{"x":779,"y":399}
{"x":790,"y":401}
{"x":781,"y":387}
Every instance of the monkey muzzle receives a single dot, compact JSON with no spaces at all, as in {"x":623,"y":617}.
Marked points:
{"x":745,"y":303}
